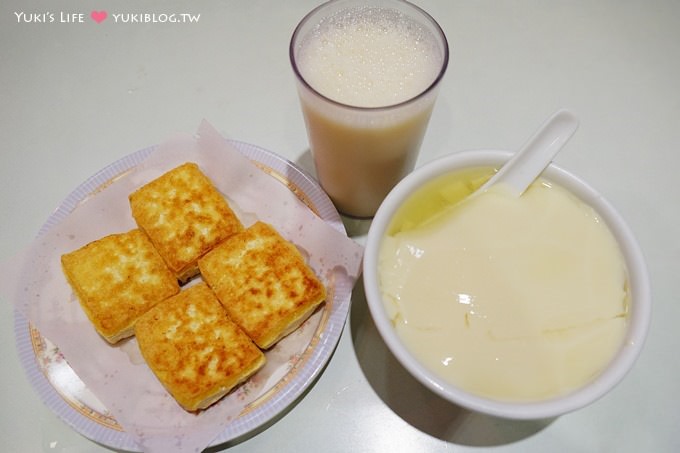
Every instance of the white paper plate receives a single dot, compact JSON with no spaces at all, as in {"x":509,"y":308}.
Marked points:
{"x":65,"y":394}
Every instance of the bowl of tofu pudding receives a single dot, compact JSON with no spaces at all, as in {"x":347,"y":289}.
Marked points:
{"x":523,"y":307}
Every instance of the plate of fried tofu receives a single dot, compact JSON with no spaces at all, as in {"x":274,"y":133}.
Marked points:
{"x":205,"y":297}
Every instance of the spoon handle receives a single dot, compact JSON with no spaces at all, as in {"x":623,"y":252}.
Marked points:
{"x":537,"y":153}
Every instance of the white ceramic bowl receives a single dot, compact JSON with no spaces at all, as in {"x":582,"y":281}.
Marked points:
{"x":639,"y":310}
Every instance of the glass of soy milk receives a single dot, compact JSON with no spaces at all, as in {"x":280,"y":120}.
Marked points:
{"x":367,"y":76}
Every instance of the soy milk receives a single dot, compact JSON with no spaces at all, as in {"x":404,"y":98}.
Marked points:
{"x":375,"y":69}
{"x":369,"y":57}
{"x":519,"y":299}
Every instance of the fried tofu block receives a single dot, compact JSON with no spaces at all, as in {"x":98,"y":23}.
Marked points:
{"x":194,"y":349}
{"x":184,"y":215}
{"x":263,"y":282}
{"x":117,"y":279}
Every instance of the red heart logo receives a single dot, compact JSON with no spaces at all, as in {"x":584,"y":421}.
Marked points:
{"x":98,"y":16}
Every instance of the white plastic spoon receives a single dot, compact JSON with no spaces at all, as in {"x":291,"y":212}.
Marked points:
{"x":528,"y":163}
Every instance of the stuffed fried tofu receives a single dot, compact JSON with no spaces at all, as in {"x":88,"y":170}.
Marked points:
{"x":184,"y":215}
{"x":117,"y":279}
{"x":263,"y":282}
{"x":194,"y":349}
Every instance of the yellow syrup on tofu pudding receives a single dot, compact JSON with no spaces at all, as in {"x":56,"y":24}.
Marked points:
{"x":515,"y":299}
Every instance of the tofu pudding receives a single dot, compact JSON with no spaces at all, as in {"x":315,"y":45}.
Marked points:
{"x":514,"y":299}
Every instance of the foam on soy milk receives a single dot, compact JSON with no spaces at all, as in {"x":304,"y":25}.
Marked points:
{"x":510,"y":298}
{"x":369,"y":57}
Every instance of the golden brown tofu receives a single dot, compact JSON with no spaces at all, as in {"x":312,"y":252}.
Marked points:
{"x":194,"y":349}
{"x":263,"y":282}
{"x":117,"y":279}
{"x":184,"y":215}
